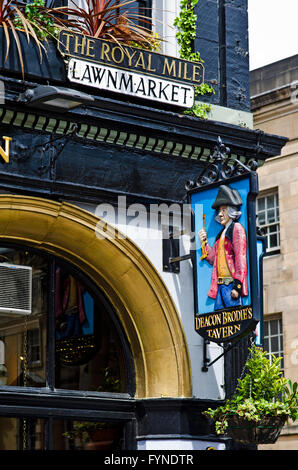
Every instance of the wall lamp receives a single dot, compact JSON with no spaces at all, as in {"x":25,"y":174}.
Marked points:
{"x":54,"y":98}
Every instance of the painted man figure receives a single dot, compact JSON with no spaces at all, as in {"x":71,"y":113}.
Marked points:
{"x":228,"y":254}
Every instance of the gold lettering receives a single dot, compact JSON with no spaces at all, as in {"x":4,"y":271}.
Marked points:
{"x":5,"y":153}
{"x":118,"y":61}
{"x":140,"y":62}
{"x":196,"y":73}
{"x":104,"y":52}
{"x":230,"y":330}
{"x":170,"y":69}
{"x":149,"y":64}
{"x":249,"y":312}
{"x":217,"y":332}
{"x":81,"y":45}
{"x":68,"y":36}
{"x":238,"y":315}
{"x":180,"y":70}
{"x":90,"y":46}
{"x":224,"y":331}
{"x":185,"y":77}
{"x":130,"y":57}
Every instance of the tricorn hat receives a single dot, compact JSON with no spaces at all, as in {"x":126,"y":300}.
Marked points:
{"x":227,"y":197}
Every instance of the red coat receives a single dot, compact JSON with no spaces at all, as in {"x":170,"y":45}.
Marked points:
{"x":235,"y":250}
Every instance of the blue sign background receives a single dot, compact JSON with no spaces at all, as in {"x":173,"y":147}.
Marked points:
{"x":201,"y":203}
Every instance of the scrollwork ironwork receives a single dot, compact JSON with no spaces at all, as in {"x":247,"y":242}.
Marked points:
{"x":222,"y":166}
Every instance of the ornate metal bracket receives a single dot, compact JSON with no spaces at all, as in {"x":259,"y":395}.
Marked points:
{"x":221,"y":167}
{"x":54,"y":146}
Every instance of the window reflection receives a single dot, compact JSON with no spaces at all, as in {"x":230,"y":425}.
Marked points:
{"x":22,"y":433}
{"x":30,"y":434}
{"x":88,"y":352}
{"x":87,"y":435}
{"x":22,"y":329}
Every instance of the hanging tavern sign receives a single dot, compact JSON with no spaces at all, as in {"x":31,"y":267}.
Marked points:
{"x":227,"y":290}
{"x":109,"y":66}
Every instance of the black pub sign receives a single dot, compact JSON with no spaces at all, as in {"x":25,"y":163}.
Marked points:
{"x":226,"y":272}
{"x":124,"y":69}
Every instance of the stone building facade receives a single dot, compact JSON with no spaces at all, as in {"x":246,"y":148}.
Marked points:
{"x":274,"y":102}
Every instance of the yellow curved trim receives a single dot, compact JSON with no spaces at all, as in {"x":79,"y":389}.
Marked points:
{"x":126,"y":276}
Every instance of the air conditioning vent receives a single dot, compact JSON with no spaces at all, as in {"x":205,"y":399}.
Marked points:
{"x":16,"y":289}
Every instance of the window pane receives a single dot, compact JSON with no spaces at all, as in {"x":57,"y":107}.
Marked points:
{"x":23,"y":323}
{"x":89,"y":352}
{"x":274,"y":344}
{"x":273,"y":229}
{"x":88,"y":349}
{"x":281,"y":342}
{"x":87,"y":435}
{"x":22,"y":433}
{"x":273,"y":241}
{"x":271,"y":216}
{"x":273,"y":339}
{"x":261,"y":204}
{"x":267,"y":214}
{"x":274,"y":327}
{"x":261,"y":218}
{"x":270,"y":201}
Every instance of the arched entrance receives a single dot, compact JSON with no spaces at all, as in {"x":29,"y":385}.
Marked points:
{"x":127,"y":278}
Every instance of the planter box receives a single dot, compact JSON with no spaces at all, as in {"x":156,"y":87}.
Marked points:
{"x":51,"y":67}
{"x":250,"y":432}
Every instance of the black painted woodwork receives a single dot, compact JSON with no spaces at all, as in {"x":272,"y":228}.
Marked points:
{"x":222,"y":40}
{"x":97,"y":171}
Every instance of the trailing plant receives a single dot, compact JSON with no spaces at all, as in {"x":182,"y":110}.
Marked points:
{"x":12,"y":19}
{"x":262,"y":392}
{"x":42,"y":23}
{"x":186,"y":24}
{"x":199,"y":110}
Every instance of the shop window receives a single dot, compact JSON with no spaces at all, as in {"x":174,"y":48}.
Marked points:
{"x":273,"y":339}
{"x":25,"y":433}
{"x":84,"y":352}
{"x":268,"y":220}
{"x":61,"y":348}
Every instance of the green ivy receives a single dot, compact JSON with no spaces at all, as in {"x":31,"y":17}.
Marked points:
{"x":199,"y":110}
{"x":42,"y":24}
{"x":186,"y":24}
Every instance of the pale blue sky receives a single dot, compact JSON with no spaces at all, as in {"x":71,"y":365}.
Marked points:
{"x":273,"y":31}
